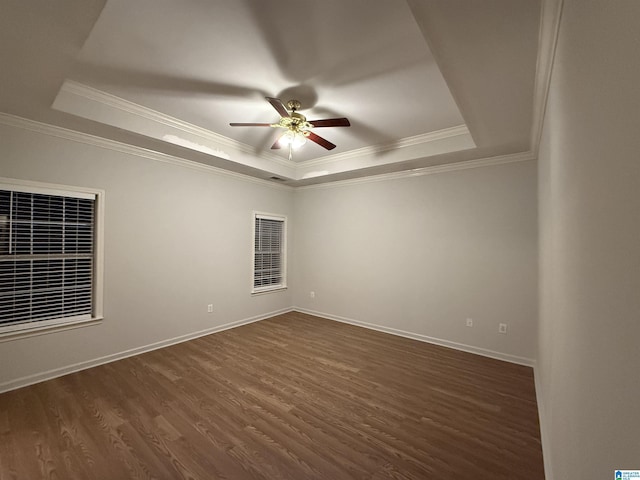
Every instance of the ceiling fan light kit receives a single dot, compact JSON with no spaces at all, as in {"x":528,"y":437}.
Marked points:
{"x":297,"y":127}
{"x":295,"y":139}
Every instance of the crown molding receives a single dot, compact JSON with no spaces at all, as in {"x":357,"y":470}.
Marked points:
{"x":395,"y":145}
{"x":91,"y":94}
{"x":432,"y":170}
{"x":84,"y":91}
{"x":88,"y":139}
{"x":108,"y":144}
{"x":550,"y":16}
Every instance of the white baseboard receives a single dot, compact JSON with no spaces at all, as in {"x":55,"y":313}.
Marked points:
{"x":529,"y":362}
{"x":59,"y":372}
{"x":542,"y":418}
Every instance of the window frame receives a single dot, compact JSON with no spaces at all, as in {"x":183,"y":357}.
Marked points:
{"x":9,"y":332}
{"x":283,"y":253}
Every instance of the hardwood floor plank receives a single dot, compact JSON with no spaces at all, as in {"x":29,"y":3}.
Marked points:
{"x":291,"y":397}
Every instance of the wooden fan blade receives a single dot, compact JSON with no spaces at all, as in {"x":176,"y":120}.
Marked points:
{"x":321,"y":141}
{"x":331,"y":122}
{"x":279,"y":106}
{"x":250,"y":124}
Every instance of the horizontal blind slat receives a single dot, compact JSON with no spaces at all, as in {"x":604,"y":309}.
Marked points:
{"x":46,"y":255}
{"x":268,"y":251}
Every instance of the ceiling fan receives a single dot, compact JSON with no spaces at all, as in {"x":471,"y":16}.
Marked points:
{"x":297,"y":127}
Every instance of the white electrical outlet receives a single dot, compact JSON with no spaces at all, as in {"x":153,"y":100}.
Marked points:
{"x":502,"y":328}
{"x":469,"y":322}
{"x":210,"y":308}
{"x":312,"y":294}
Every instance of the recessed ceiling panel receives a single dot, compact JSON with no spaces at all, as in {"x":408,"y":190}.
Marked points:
{"x":212,"y":63}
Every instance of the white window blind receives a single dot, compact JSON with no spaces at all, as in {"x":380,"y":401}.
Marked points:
{"x":46,"y":257}
{"x":269,"y":251}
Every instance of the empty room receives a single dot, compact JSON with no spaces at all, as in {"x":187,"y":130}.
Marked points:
{"x":364,"y":239}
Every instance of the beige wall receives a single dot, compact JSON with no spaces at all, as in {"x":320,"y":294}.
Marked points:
{"x":422,"y":254}
{"x":176,"y":239}
{"x":589,"y":354}
{"x":415,"y":255}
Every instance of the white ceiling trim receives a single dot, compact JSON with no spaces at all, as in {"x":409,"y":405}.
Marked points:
{"x":404,"y":142}
{"x":113,"y":101}
{"x":108,"y":144}
{"x":85,"y":101}
{"x":432,"y":170}
{"x":390,"y":157}
{"x":87,"y":139}
{"x":550,"y":15}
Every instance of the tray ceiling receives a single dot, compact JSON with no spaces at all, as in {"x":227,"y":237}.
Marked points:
{"x":422,"y":82}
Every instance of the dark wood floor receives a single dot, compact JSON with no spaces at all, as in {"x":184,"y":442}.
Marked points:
{"x":292,"y":397}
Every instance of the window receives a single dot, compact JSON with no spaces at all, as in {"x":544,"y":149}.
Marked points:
{"x":269,"y":266}
{"x":48,"y":257}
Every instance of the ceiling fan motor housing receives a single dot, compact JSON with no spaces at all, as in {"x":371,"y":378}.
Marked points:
{"x":296,"y":123}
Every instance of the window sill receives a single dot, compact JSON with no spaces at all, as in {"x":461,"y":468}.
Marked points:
{"x":268,"y":290}
{"x":47,"y":329}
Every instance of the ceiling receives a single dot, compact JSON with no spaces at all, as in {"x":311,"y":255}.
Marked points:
{"x":423,"y":82}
